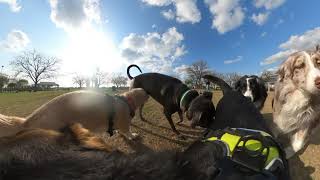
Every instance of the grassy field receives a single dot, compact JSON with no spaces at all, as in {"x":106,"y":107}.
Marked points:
{"x":156,"y":134}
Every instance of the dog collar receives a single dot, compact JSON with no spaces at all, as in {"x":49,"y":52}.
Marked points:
{"x":252,"y":148}
{"x":183,"y":98}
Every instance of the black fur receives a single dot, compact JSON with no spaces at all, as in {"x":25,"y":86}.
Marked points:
{"x":168,"y":91}
{"x":234,"y":110}
{"x":259,"y":90}
{"x":37,"y":159}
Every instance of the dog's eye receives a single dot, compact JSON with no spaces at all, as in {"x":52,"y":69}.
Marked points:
{"x":299,"y":65}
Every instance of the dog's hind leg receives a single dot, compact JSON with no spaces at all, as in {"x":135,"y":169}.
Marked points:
{"x":140,"y":113}
{"x":180,"y":117}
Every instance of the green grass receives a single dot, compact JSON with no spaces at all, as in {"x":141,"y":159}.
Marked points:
{"x":23,"y":103}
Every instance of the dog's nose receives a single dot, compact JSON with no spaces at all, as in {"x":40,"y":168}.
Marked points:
{"x":317,"y":82}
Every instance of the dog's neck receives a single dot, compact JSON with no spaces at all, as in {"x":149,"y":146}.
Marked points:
{"x":186,"y":97}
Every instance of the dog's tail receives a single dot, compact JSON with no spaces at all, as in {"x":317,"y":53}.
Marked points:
{"x":223,"y":85}
{"x":10,"y":125}
{"x":128,"y":70}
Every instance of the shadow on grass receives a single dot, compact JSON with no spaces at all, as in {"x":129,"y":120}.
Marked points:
{"x":183,"y":143}
{"x":190,"y":134}
{"x":298,"y":170}
{"x":137,"y":145}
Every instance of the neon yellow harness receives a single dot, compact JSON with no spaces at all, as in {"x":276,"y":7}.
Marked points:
{"x":232,"y":140}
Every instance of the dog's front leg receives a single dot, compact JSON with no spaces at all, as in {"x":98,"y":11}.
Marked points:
{"x":180,"y":117}
{"x":298,"y":140}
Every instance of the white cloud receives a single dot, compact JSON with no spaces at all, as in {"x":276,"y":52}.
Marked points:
{"x":268,"y":4}
{"x":158,"y":2}
{"x":231,"y":61}
{"x":16,"y":40}
{"x":180,"y":71}
{"x":186,"y":10}
{"x":169,"y":14}
{"x":307,"y":40}
{"x":74,"y":13}
{"x":280,"y":56}
{"x":14,"y":6}
{"x":261,"y":18}
{"x":227,"y":14}
{"x":157,"y":52}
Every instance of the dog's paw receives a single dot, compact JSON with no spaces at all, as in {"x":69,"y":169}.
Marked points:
{"x":133,"y":136}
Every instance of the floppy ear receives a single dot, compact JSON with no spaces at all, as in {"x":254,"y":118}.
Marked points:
{"x":318,"y":47}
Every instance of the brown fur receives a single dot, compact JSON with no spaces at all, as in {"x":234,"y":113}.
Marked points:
{"x":89,"y":108}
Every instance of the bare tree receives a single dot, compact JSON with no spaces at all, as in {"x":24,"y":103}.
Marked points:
{"x":79,"y":80}
{"x":88,"y":82}
{"x":118,"y":80}
{"x":99,"y":78}
{"x":268,"y":75}
{"x":35,"y":66}
{"x":196,"y":71}
{"x":231,"y":78}
{"x":3,"y":80}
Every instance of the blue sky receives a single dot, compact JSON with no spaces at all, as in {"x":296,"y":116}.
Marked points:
{"x":245,"y":36}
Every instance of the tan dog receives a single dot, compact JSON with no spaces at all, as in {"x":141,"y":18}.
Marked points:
{"x":10,"y":124}
{"x":92,"y":109}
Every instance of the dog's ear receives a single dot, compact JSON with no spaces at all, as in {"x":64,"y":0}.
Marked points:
{"x":286,"y":68}
{"x":318,"y":48}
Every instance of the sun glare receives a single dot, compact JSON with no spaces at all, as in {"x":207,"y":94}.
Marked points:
{"x":89,"y":49}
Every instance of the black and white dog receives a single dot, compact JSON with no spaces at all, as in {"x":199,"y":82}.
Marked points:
{"x":254,"y":88}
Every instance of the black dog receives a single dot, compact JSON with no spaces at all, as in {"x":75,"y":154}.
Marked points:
{"x":254,"y":88}
{"x":235,"y":110}
{"x":45,"y":154}
{"x":175,"y":96}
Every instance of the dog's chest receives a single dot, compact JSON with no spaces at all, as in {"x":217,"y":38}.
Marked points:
{"x":298,"y":112}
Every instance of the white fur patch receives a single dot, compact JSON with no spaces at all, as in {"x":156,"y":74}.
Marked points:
{"x":248,"y":92}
